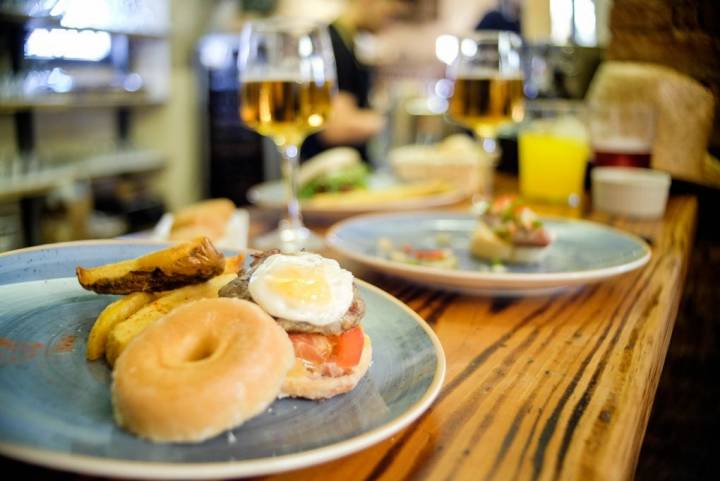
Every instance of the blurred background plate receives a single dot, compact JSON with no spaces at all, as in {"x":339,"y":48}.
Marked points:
{"x":56,"y":408}
{"x":235,"y":237}
{"x":582,"y":252}
{"x":272,"y":195}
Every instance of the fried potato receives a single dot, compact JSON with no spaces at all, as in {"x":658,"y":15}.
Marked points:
{"x":176,"y":266}
{"x":112,"y":315}
{"x":234,"y":264}
{"x":124,"y":332}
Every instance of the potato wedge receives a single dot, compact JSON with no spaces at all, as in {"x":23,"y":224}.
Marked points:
{"x":124,"y":332}
{"x":112,"y":315}
{"x":234,"y":264}
{"x":176,"y":266}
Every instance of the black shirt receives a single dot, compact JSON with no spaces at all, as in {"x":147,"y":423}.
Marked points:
{"x":495,"y":20}
{"x":352,"y":77}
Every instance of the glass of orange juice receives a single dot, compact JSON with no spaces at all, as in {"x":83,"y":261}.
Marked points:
{"x":554,"y":150}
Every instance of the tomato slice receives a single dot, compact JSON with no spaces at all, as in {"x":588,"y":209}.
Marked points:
{"x":349,"y":347}
{"x":344,"y":350}
{"x":430,"y":254}
{"x":501,"y":203}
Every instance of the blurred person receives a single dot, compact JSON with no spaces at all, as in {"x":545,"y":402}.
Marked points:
{"x":353,"y":122}
{"x":505,"y":16}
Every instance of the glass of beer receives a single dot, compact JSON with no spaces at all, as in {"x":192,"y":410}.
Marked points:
{"x":488,"y":84}
{"x":287,"y":81}
{"x":622,"y":133}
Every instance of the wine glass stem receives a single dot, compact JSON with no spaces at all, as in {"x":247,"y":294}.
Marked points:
{"x":290,"y":157}
{"x":488,"y":144}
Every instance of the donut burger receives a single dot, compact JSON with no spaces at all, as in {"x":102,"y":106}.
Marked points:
{"x":205,"y":367}
{"x":317,"y":303}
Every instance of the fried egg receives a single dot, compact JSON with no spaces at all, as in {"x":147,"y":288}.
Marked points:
{"x":303,"y":288}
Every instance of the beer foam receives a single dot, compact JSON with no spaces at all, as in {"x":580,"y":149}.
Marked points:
{"x":480,"y":74}
{"x":627,"y":145}
{"x":264,"y":76}
{"x":303,"y":72}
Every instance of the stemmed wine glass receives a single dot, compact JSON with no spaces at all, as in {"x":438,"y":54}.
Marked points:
{"x":488,"y":84}
{"x":287,"y":81}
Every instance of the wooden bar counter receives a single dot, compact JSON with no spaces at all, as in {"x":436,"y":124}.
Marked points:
{"x":543,"y":388}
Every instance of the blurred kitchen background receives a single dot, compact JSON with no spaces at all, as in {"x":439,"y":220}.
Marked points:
{"x":115,"y":111}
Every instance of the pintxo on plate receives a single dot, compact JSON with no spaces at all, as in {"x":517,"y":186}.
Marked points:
{"x":509,"y":231}
{"x":188,"y":365}
{"x":317,"y":303}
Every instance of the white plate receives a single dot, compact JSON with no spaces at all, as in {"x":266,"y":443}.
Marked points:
{"x":582,"y":252}
{"x":236,"y":232}
{"x":271,"y":195}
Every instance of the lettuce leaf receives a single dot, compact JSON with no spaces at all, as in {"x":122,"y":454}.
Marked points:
{"x":352,"y":177}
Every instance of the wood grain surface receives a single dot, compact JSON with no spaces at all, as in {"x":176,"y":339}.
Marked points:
{"x":557,"y":387}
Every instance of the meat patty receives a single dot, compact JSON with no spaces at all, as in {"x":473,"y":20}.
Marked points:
{"x":238,"y":288}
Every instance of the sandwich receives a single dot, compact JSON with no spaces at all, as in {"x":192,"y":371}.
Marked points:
{"x":456,"y":160}
{"x":509,"y":231}
{"x":336,"y":170}
{"x":317,"y":303}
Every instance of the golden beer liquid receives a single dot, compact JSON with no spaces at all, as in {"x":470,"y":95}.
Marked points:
{"x":483,"y":103}
{"x":285,"y":110}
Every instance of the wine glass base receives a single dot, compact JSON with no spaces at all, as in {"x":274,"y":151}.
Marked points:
{"x":289,"y":239}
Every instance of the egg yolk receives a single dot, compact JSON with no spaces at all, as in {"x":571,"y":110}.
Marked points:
{"x":300,"y":287}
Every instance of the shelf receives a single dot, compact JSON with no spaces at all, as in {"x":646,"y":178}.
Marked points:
{"x":48,"y":21}
{"x":75,"y":101}
{"x":44,"y":180}
{"x":16,"y":17}
{"x":132,"y":34}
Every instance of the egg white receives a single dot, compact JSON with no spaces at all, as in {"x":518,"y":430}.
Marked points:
{"x":339,"y":280}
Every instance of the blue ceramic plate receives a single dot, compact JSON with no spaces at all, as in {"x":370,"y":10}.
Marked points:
{"x":582,"y":252}
{"x":56,"y":407}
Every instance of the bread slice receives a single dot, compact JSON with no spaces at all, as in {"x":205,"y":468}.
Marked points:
{"x":457,"y":160}
{"x":484,"y":244}
{"x":301,"y":383}
{"x":211,"y":213}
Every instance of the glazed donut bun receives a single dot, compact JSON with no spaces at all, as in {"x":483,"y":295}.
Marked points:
{"x":205,"y":367}
{"x":301,"y":383}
